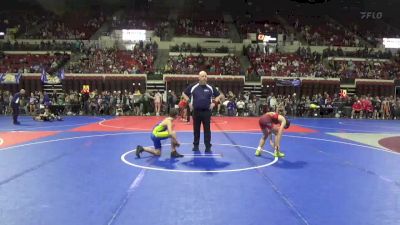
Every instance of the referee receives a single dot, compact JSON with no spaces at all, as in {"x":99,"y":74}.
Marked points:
{"x":200,"y":96}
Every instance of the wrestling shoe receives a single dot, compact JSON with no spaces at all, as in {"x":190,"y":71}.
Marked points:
{"x":176,"y":154}
{"x":139,"y":149}
{"x":279,"y":154}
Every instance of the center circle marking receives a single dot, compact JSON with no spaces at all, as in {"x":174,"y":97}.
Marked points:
{"x":123,"y":158}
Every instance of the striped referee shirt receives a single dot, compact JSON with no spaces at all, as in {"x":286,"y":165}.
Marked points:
{"x":201,"y":95}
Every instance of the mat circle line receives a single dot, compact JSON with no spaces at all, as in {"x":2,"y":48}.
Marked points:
{"x":123,"y":159}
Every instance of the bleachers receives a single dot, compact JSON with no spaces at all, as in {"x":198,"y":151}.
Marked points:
{"x":269,"y":26}
{"x":31,"y":63}
{"x":200,"y":25}
{"x":281,"y":64}
{"x":318,"y":30}
{"x":191,"y":64}
{"x":140,"y":60}
{"x":79,"y":25}
{"x":372,"y":30}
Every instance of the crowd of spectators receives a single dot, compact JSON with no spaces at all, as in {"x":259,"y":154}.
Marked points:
{"x":190,"y":64}
{"x":333,"y":62}
{"x":302,"y":63}
{"x":95,"y":60}
{"x":184,"y":47}
{"x":32,"y":63}
{"x":73,"y":46}
{"x":305,"y":63}
{"x":79,"y":25}
{"x":369,"y":69}
{"x":232,"y":104}
{"x":322,"y":32}
{"x":22,"y":20}
{"x":73,"y":26}
{"x":370,"y":29}
{"x":268,"y":26}
{"x":201,"y":27}
{"x":360,"y":53}
{"x":142,"y":21}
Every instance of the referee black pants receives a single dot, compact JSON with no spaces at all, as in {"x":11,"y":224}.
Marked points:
{"x":199,"y":117}
{"x":15,"y":113}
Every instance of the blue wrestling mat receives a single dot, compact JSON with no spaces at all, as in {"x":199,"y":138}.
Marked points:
{"x":84,"y":170}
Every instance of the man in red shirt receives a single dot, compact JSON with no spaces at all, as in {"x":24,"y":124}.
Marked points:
{"x":357,"y":109}
{"x":368,"y":109}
